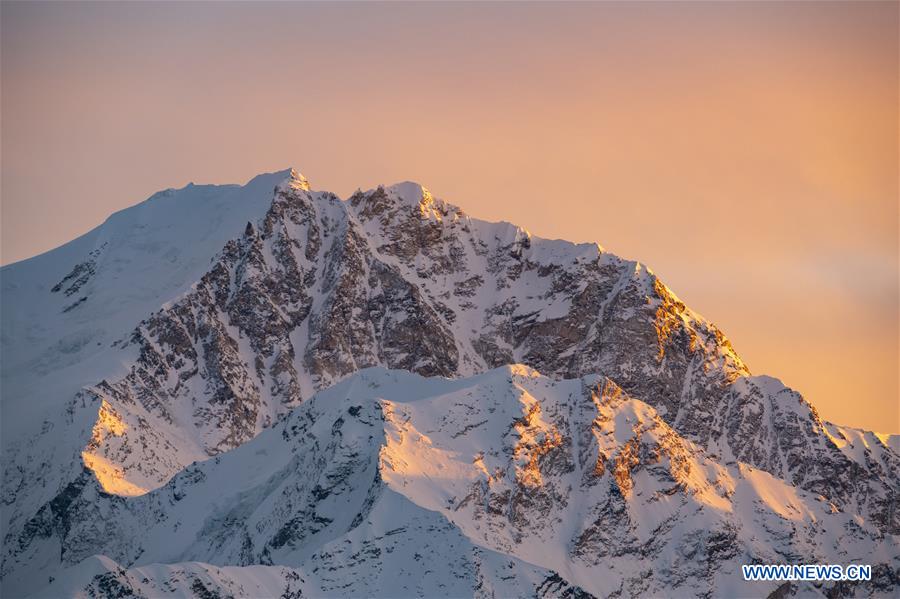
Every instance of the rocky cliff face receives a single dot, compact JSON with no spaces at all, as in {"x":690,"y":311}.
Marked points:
{"x":316,"y":288}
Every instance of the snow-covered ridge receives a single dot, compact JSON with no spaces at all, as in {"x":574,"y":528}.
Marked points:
{"x":62,"y":310}
{"x":132,"y":368}
{"x":561,"y":478}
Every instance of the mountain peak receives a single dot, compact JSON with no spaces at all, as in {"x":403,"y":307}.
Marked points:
{"x":410,"y":192}
{"x":296,"y":180}
{"x":289,"y":178}
{"x":418,"y":196}
{"x":400,"y":197}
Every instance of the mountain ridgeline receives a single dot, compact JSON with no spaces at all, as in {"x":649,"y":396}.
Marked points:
{"x":268,"y":417}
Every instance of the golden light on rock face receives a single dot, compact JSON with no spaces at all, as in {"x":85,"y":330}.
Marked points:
{"x":110,"y":475}
{"x":747,"y":152}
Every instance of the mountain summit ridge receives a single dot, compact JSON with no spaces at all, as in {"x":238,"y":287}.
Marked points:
{"x":317,"y":288}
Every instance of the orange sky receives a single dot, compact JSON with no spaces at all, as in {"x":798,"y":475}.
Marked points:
{"x":747,"y":152}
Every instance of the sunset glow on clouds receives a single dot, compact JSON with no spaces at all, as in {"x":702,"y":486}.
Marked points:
{"x":747,"y":152}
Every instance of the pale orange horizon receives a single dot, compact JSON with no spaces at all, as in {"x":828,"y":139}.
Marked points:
{"x":746,"y":152}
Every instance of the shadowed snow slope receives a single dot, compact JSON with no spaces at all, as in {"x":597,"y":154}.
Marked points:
{"x":62,"y":310}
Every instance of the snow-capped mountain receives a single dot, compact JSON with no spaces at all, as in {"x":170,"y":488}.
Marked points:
{"x":162,"y":365}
